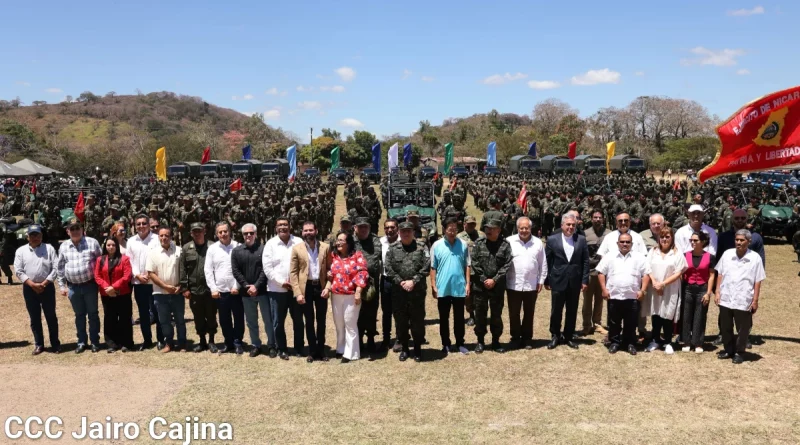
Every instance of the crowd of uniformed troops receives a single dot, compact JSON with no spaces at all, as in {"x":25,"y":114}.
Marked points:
{"x":397,"y":267}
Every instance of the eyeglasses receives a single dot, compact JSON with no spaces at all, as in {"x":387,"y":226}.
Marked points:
{"x":623,"y":220}
{"x":141,"y":224}
{"x":154,"y":226}
{"x":249,"y":233}
{"x":623,"y":242}
{"x":74,"y":229}
{"x":665,"y":238}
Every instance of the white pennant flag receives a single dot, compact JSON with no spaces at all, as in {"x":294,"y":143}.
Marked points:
{"x":393,"y":156}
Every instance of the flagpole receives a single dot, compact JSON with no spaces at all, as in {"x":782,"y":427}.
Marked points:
{"x":311,"y":141}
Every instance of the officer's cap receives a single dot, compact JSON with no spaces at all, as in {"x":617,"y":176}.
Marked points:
{"x":494,"y":223}
{"x":405,"y":225}
{"x":362,"y":221}
{"x":197,"y":226}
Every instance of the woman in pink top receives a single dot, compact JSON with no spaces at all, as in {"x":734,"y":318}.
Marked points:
{"x":347,"y":279}
{"x":698,"y":280}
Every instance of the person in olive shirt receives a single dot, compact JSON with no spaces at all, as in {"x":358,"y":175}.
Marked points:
{"x":469,"y":235}
{"x":407,"y":266}
{"x":490,"y":260}
{"x":593,"y":295}
{"x":370,"y":246}
{"x":493,"y":213}
{"x":193,"y":286}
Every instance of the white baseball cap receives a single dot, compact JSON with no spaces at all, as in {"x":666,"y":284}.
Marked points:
{"x":696,"y":208}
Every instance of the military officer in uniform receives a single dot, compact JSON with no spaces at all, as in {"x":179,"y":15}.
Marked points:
{"x":193,"y":287}
{"x":370,"y":246}
{"x":490,"y":260}
{"x":469,"y":235}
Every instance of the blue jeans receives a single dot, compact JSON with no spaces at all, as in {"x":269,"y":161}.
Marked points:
{"x":169,"y":306}
{"x":143,"y":294}
{"x":84,"y":302}
{"x":279,"y":306}
{"x":38,"y":303}
{"x":231,"y":318}
{"x":251,"y":308}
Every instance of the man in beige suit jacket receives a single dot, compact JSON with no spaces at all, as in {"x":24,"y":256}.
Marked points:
{"x":308,"y":276}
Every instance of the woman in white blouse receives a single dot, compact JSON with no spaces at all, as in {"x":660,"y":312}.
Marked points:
{"x":666,"y":267}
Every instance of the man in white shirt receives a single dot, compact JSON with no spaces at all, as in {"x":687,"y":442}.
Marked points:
{"x":624,"y":280}
{"x":524,"y":282}
{"x":684,"y":234}
{"x":276,"y":261}
{"x":225,"y":289}
{"x":390,"y":228}
{"x":609,"y":244}
{"x":741,"y":272}
{"x":139,"y":246}
{"x":163,"y":268}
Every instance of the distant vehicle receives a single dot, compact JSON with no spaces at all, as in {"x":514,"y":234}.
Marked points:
{"x":557,"y":164}
{"x":414,"y":196}
{"x":595,"y":166}
{"x":627,"y":164}
{"x":275,"y":168}
{"x":372,"y":174}
{"x":249,"y":168}
{"x":459,"y":171}
{"x":426,"y":173}
{"x":186,"y":169}
{"x":777,"y":178}
{"x":311,"y":172}
{"x":216,"y":169}
{"x":523,"y":163}
{"x":341,"y":175}
{"x":776,"y":220}
{"x":491,"y":171}
{"x":589,"y":163}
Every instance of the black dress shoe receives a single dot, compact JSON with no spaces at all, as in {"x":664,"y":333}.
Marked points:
{"x":222,"y":349}
{"x":529,"y":345}
{"x":345,"y":360}
{"x":160,"y":346}
{"x":212,"y":348}
{"x":124,"y":349}
{"x":479,"y":348}
{"x":338,"y":355}
{"x":418,"y":358}
{"x":403,"y":356}
{"x":239,"y":350}
{"x":572,"y":344}
{"x":284,"y":356}
{"x":145,"y":346}
{"x":95,"y":348}
{"x":553,"y":343}
{"x":631,"y":350}
{"x":749,"y":345}
{"x":273,"y":352}
{"x":497,"y":347}
{"x":38,"y":350}
{"x":613,"y":348}
{"x":470,"y":322}
{"x":445,"y":350}
{"x":321,"y":358}
{"x":724,"y":355}
{"x":111,"y":350}
{"x":56,"y":349}
{"x":717,"y":341}
{"x":738,"y":359}
{"x":254,"y":352}
{"x":80,"y":349}
{"x":309,"y":359}
{"x":199,"y":348}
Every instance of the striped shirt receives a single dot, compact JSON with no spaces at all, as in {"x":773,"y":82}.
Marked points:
{"x":76,"y":263}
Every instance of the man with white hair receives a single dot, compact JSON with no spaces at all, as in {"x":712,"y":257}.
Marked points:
{"x":650,"y":236}
{"x":524,"y":281}
{"x":696,"y":224}
{"x":225,"y":289}
{"x":248,"y":271}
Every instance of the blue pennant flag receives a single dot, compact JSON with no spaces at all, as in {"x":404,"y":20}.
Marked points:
{"x":247,"y":152}
{"x":407,"y":155}
{"x":376,"y":156}
{"x":532,"y":149}
{"x":291,"y":156}
{"x":491,"y":154}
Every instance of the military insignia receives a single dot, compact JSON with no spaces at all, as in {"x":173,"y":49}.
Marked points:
{"x":769,"y":135}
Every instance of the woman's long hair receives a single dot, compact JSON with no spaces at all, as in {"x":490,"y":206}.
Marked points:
{"x":113,"y":260}
{"x":666,"y":231}
{"x":350,"y":241}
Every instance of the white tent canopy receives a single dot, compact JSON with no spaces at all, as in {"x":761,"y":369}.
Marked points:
{"x":35,"y":167}
{"x":7,"y":169}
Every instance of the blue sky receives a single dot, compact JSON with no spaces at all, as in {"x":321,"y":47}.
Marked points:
{"x":384,"y":66}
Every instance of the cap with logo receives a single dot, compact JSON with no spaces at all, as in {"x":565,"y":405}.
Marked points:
{"x":34,"y":228}
{"x":470,"y":220}
{"x":494,"y":223}
{"x":405,"y":225}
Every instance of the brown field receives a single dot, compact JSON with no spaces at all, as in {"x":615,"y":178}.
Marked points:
{"x":539,"y":396}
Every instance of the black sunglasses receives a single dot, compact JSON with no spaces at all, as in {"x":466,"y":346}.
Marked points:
{"x":248,"y":233}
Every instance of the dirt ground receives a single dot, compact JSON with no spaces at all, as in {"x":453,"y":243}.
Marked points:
{"x":538,"y":396}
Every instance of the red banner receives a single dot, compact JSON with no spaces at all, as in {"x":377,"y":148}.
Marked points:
{"x":573,"y":148}
{"x":206,"y":155}
{"x":80,"y":207}
{"x":236,"y":185}
{"x":522,"y":199}
{"x":763,"y":135}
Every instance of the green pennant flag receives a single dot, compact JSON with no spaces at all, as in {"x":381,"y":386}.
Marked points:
{"x":448,"y":157}
{"x":335,"y":157}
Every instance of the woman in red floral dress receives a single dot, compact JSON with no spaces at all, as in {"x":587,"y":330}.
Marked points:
{"x":347,"y":279}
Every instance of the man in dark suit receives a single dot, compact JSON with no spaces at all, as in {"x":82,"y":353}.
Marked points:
{"x":568,"y":274}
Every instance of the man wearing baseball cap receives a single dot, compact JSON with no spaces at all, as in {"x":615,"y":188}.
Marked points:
{"x":696,"y":215}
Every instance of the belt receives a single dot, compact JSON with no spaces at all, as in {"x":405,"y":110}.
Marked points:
{"x":313,"y":282}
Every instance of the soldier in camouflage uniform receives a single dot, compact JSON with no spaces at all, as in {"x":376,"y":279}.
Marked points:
{"x":370,"y":247}
{"x":494,"y":213}
{"x":469,"y":236}
{"x":297,"y":215}
{"x":490,"y":260}
{"x":407,"y":267}
{"x":93,"y":229}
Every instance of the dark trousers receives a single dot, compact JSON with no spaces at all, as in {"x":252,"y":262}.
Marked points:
{"x":409,"y":312}
{"x":569,"y":298}
{"x":744,"y":321}
{"x":279,"y":305}
{"x":694,"y":315}
{"x":231,"y":318}
{"x":368,"y":317}
{"x":661,"y":326}
{"x":314,"y":303}
{"x":143,"y":293}
{"x":6,"y":270}
{"x":83,"y":298}
{"x":204,"y":311}
{"x":483,"y":302}
{"x":524,"y":301}
{"x":623,"y":316}
{"x":444,"y":304}
{"x":386,"y":309}
{"x":171,"y":308}
{"x":117,"y":327}
{"x":38,"y":303}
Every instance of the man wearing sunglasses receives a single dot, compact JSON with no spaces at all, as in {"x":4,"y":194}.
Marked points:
{"x":696,"y":215}
{"x":249,"y":273}
{"x":609,"y":244}
{"x":138,"y":247}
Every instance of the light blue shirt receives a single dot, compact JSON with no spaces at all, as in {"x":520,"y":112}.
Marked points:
{"x":450,"y":262}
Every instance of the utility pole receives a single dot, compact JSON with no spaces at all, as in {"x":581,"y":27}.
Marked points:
{"x":311,"y":141}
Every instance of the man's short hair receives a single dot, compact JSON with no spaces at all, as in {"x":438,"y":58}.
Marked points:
{"x":745,"y":233}
{"x":309,"y":223}
{"x":658,"y":215}
{"x":250,"y":226}
{"x":568,"y":217}
{"x":220,"y":224}
{"x":450,"y":220}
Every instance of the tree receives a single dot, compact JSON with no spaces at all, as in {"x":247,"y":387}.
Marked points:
{"x":111,"y":94}
{"x":548,"y":113}
{"x":333,"y":134}
{"x":432,"y":142}
{"x":88,"y":97}
{"x":16,"y":102}
{"x":68,"y":99}
{"x":38,"y":103}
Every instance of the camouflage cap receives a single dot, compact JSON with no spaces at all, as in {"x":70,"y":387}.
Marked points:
{"x":405,"y":225}
{"x":346,"y":218}
{"x":362,"y":221}
{"x":187,"y":197}
{"x":470,"y":220}
{"x":197,"y":226}
{"x":153,"y":208}
{"x":297,"y":199}
{"x":114,"y":207}
{"x":494,"y":223}
{"x":414,"y":213}
{"x":92,"y":196}
{"x":73,"y":222}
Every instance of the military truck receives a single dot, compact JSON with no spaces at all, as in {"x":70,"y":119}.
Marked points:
{"x":275,"y":168}
{"x":402,"y":197}
{"x":523,"y":163}
{"x":248,"y":168}
{"x":371,"y":174}
{"x":590,"y":163}
{"x":627,"y":164}
{"x":557,"y":164}
{"x":185,"y":169}
{"x":216,"y":169}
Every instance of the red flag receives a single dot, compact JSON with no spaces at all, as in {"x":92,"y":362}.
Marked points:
{"x":453,"y":184}
{"x":79,"y":207}
{"x":573,"y":147}
{"x":33,"y":188}
{"x":762,"y":135}
{"x":18,"y":184}
{"x":522,"y":199}
{"x":206,"y":155}
{"x":236,"y":185}
{"x":676,"y":185}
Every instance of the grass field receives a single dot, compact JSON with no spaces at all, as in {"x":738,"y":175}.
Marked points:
{"x":538,"y":396}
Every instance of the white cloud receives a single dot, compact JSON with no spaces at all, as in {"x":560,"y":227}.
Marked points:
{"x":310,"y":105}
{"x":248,"y":97}
{"x":23,"y":83}
{"x":333,"y":89}
{"x":272,"y":114}
{"x":499,"y":79}
{"x":746,"y":12}
{"x":303,"y":89}
{"x":346,"y":73}
{"x":53,"y":90}
{"x":272,"y":91}
{"x":595,"y":77}
{"x":543,"y":84}
{"x":639,"y":73}
{"x":705,"y":56}
{"x":427,"y":79}
{"x":743,"y":72}
{"x":234,"y":97}
{"x":350,"y":122}
{"x":406,"y":74}
{"x":320,"y":76}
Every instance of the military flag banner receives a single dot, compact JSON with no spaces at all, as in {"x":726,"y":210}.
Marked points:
{"x":376,"y":156}
{"x":522,"y":199}
{"x":762,"y":135}
{"x":393,"y":155}
{"x":236,"y":185}
{"x":532,"y":149}
{"x":611,"y":147}
{"x":161,"y":163}
{"x":448,"y":157}
{"x":491,"y":154}
{"x":247,"y":152}
{"x":335,"y":157}
{"x":407,"y":155}
{"x":206,"y":155}
{"x":573,"y":148}
{"x":291,"y":156}
{"x":80,"y":207}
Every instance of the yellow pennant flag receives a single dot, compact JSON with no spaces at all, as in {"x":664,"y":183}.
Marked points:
{"x":161,"y":163}
{"x":610,"y":148}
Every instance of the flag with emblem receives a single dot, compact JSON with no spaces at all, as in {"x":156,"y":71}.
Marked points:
{"x":522,"y":199}
{"x":762,"y":135}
